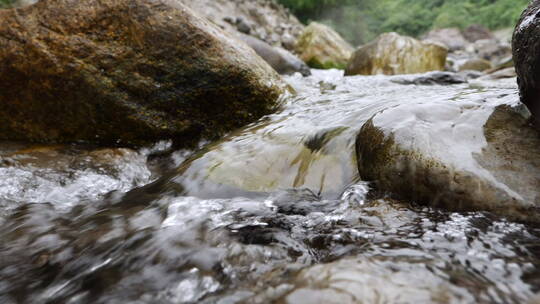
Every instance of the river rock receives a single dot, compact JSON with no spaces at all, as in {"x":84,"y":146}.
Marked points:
{"x":492,"y":49}
{"x":392,"y":54}
{"x":477,"y":32}
{"x":475,"y":64}
{"x":323,"y":48}
{"x":376,"y":279}
{"x":500,"y":74}
{"x":263,"y":19}
{"x":459,"y":155}
{"x":433,"y":78}
{"x":125,"y":70}
{"x":283,"y":61}
{"x":450,"y":37}
{"x":526,"y":51}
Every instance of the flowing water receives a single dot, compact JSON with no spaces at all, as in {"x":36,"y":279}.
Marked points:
{"x":273,"y":213}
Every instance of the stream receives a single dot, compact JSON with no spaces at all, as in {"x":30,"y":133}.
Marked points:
{"x":275,"y":212}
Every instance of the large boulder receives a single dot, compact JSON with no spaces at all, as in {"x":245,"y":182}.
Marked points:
{"x":323,"y":48}
{"x":526,"y":51}
{"x":473,"y":155}
{"x":450,"y":37}
{"x":125,"y":70}
{"x":392,"y":54}
{"x":283,"y":61}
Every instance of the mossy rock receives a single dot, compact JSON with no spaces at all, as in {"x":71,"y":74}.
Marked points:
{"x":392,"y":54}
{"x":323,"y":48}
{"x":475,"y":64}
{"x":131,"y":71}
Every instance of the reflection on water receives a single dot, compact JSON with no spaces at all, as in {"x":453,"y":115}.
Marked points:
{"x":274,"y":213}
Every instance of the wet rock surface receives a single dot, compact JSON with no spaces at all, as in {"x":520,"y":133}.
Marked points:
{"x":441,"y":78}
{"x":392,"y":54}
{"x":130,"y":71}
{"x":525,"y":50}
{"x":323,"y":48}
{"x":455,"y":165}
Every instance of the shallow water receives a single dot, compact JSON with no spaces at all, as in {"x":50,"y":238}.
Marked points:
{"x":274,"y":213}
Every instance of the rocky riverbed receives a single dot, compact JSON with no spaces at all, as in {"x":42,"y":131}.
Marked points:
{"x":151,"y":153}
{"x":275,"y":212}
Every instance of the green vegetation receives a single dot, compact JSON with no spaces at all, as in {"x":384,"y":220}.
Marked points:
{"x":361,"y":20}
{"x":6,"y":3}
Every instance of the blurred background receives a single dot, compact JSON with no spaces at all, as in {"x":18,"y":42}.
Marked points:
{"x":360,"y":21}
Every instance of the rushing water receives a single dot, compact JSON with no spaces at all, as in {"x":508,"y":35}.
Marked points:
{"x":274,"y":213}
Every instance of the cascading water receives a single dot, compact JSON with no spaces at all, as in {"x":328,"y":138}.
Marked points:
{"x":275,"y":212}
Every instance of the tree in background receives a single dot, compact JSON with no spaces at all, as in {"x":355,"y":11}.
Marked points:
{"x":360,"y":21}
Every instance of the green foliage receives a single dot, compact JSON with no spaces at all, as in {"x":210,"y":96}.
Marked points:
{"x":6,"y":3}
{"x":361,"y":20}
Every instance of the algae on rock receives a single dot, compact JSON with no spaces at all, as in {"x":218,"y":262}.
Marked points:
{"x":392,"y":54}
{"x":323,"y":48}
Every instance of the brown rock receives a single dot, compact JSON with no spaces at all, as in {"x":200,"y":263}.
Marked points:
{"x":125,"y":70}
{"x":392,"y":54}
{"x":323,"y":48}
{"x":450,"y":37}
{"x":463,"y":157}
{"x":500,"y":74}
{"x":475,"y":64}
{"x":281,"y":60}
{"x":477,"y":32}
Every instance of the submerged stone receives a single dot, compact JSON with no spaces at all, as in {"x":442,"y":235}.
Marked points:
{"x":323,"y":48}
{"x":129,"y":71}
{"x":441,"y":78}
{"x":392,"y":54}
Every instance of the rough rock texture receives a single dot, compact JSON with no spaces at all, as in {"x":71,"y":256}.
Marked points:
{"x":526,"y":49}
{"x":280,"y":59}
{"x":450,"y":37}
{"x":475,"y":64}
{"x":125,"y":70}
{"x":263,"y":19}
{"x":323,"y":48}
{"x":460,"y":156}
{"x":477,"y":32}
{"x":392,"y":54}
